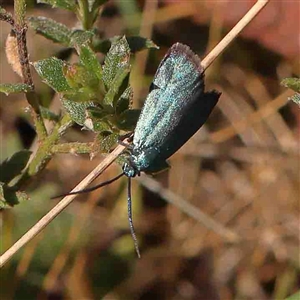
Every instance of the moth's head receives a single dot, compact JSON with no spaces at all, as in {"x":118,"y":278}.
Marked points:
{"x":130,"y":170}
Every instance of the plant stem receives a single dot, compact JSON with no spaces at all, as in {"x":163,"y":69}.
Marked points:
{"x":19,"y":29}
{"x":72,"y":148}
{"x":20,"y":12}
{"x":233,"y":33}
{"x":84,"y":14}
{"x":44,"y":152}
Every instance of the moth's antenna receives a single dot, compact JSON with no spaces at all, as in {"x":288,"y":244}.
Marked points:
{"x":136,"y":245}
{"x":93,"y":188}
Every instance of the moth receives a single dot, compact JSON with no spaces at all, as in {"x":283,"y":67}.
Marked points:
{"x":174,"y":110}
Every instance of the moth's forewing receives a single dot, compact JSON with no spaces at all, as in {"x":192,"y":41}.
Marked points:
{"x":175,"y":82}
{"x":192,"y":118}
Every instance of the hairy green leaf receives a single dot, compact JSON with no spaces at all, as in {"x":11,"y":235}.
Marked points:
{"x":117,"y":87}
{"x":77,"y":110}
{"x":128,"y":119}
{"x":80,"y":37}
{"x":98,"y":119}
{"x":51,"y":30}
{"x":89,"y":60}
{"x":51,"y":72}
{"x":117,"y":58}
{"x":292,"y":83}
{"x":136,"y":43}
{"x":9,"y":197}
{"x":123,"y":103}
{"x":48,"y":114}
{"x":103,"y":142}
{"x":9,"y":88}
{"x":78,"y":76}
{"x":100,"y":113}
{"x":94,"y":4}
{"x":11,"y":167}
{"x":97,"y":125}
{"x":65,"y":4}
{"x":94,"y":8}
{"x":295,"y":98}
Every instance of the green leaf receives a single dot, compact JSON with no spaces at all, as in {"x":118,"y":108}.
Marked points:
{"x":51,"y":30}
{"x":123,"y":103}
{"x":100,"y":113}
{"x":117,"y":87}
{"x":96,"y":3}
{"x":98,"y":120}
{"x":117,"y":58}
{"x":48,"y":114}
{"x":292,"y":83}
{"x":89,"y":60}
{"x":295,"y":98}
{"x":128,"y":119}
{"x":9,"y":197}
{"x":97,"y":125}
{"x":104,"y":142}
{"x":8,"y":88}
{"x":51,"y":72}
{"x":136,"y":43}
{"x":77,"y":110}
{"x":81,"y":95}
{"x":78,"y":76}
{"x":65,"y":4}
{"x":94,"y":8}
{"x":81,"y":37}
{"x":11,"y":167}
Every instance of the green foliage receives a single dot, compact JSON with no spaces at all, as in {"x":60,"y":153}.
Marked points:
{"x":9,"y":197}
{"x":51,"y":72}
{"x":128,"y":119}
{"x":76,"y":110}
{"x":117,"y":58}
{"x":48,"y":114}
{"x":136,"y":43}
{"x":117,"y":87}
{"x":89,"y":60}
{"x":80,"y":37}
{"x":96,"y":96}
{"x":51,"y":30}
{"x":9,"y":88}
{"x":295,"y":98}
{"x":293,"y":84}
{"x":65,"y":4}
{"x":11,"y":167}
{"x":20,"y":11}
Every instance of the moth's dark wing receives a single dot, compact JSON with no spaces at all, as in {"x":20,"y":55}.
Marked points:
{"x":176,"y":80}
{"x":193,"y":117}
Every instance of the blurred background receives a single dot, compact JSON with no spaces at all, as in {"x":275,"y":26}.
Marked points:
{"x":231,"y":230}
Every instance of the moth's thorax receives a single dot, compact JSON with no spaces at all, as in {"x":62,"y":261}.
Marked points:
{"x":139,"y":160}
